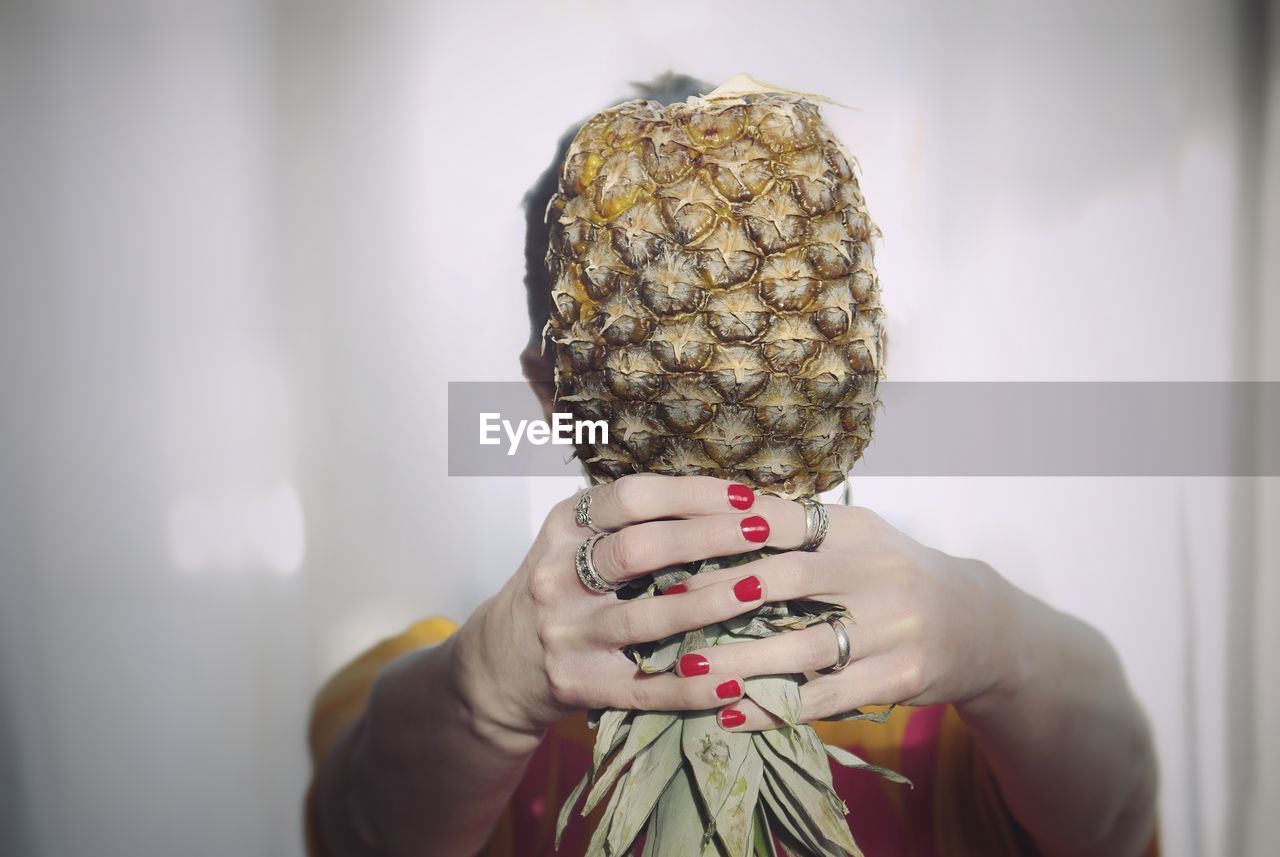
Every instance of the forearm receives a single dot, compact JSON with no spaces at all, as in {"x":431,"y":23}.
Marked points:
{"x":1065,"y":738}
{"x":416,"y":773}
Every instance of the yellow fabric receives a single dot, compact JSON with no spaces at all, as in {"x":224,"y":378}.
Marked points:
{"x":969,"y":815}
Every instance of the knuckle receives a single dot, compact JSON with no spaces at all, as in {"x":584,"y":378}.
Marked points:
{"x":554,"y":636}
{"x":866,"y":516}
{"x":544,"y":585}
{"x":712,"y":537}
{"x":821,"y":700}
{"x":911,"y":676}
{"x":717,"y":603}
{"x":642,"y":695}
{"x":796,"y":567}
{"x":819,"y":649}
{"x":562,"y":681}
{"x":627,"y":495}
{"x":628,"y":626}
{"x":621,"y":553}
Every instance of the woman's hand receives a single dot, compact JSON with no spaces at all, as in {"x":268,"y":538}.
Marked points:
{"x":1042,"y":693}
{"x":545,"y":645}
{"x":929,"y":627}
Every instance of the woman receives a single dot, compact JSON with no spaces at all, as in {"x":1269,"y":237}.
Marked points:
{"x":1016,"y":726}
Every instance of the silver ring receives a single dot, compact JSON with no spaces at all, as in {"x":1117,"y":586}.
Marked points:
{"x":844,"y":651}
{"x":815,"y":523}
{"x":586,"y":568}
{"x":582,"y":512}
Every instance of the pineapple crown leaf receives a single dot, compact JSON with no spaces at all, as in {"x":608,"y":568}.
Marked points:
{"x":744,"y":84}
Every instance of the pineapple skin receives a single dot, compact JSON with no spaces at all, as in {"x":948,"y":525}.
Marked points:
{"x":714,"y":296}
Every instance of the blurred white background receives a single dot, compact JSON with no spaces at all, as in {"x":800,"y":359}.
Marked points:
{"x":246,"y":244}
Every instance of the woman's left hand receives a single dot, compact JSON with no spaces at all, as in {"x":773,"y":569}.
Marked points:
{"x":930,"y":628}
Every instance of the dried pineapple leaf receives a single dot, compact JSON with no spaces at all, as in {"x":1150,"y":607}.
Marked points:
{"x":669,"y":577}
{"x":762,"y":843}
{"x":803,"y":750}
{"x":645,"y":729}
{"x":567,"y":809}
{"x":694,"y":640}
{"x":776,"y":807}
{"x":649,"y":775}
{"x":744,"y":84}
{"x":777,"y":694}
{"x":612,"y":729}
{"x":849,"y":760}
{"x":661,"y":657}
{"x":818,"y":829}
{"x":716,"y":757}
{"x":807,"y":786}
{"x":677,"y":828}
{"x":601,"y":833}
{"x":735,"y":820}
{"x":869,"y":716}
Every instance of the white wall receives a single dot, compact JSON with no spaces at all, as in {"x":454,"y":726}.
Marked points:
{"x":245,"y":246}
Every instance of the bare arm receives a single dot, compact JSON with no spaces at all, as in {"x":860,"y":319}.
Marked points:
{"x":419,"y":765}
{"x":1067,"y":742}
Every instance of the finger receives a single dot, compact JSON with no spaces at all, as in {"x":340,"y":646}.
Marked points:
{"x":787,"y":518}
{"x":847,"y":525}
{"x":643,"y":620}
{"x":650,"y":496}
{"x":804,"y":651}
{"x":629,"y":688}
{"x":787,"y":576}
{"x":872,"y":681}
{"x":863,"y":683}
{"x":642,"y":548}
{"x":746,"y":716}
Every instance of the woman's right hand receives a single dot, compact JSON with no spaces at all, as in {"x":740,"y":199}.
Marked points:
{"x":546,"y":646}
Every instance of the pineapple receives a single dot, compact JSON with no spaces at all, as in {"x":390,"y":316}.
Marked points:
{"x":714,"y":297}
{"x":714,"y":300}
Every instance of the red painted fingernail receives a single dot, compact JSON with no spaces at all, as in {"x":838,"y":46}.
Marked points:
{"x":692,"y":664}
{"x":755,"y":528}
{"x":729,"y":689}
{"x":747,"y":589}
{"x":675,"y":590}
{"x":731,"y":717}
{"x":740,"y":496}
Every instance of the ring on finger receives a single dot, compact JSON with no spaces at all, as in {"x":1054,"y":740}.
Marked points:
{"x":815,"y":523}
{"x":582,"y":513}
{"x":584,"y":564}
{"x":844,"y":651}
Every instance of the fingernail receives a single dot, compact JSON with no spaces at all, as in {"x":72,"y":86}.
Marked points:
{"x":731,"y":717}
{"x":692,"y":664}
{"x":747,"y":589}
{"x":755,"y":528}
{"x":740,"y":496}
{"x":675,"y":590}
{"x":729,"y":689}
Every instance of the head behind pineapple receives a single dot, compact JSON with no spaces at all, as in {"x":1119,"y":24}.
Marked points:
{"x":713,"y":295}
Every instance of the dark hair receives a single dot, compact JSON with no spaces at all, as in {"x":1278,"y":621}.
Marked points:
{"x":664,"y":89}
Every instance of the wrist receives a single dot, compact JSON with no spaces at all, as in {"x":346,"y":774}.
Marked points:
{"x":1010,"y":659}
{"x":493,"y":717}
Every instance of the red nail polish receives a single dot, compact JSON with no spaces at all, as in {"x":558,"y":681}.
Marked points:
{"x":731,"y":717}
{"x":729,"y":689}
{"x":692,"y":664}
{"x":740,"y":496}
{"x":675,"y":590}
{"x":755,"y":528}
{"x":747,"y":589}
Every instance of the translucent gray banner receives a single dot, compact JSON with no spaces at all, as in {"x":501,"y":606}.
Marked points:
{"x":957,"y":429}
